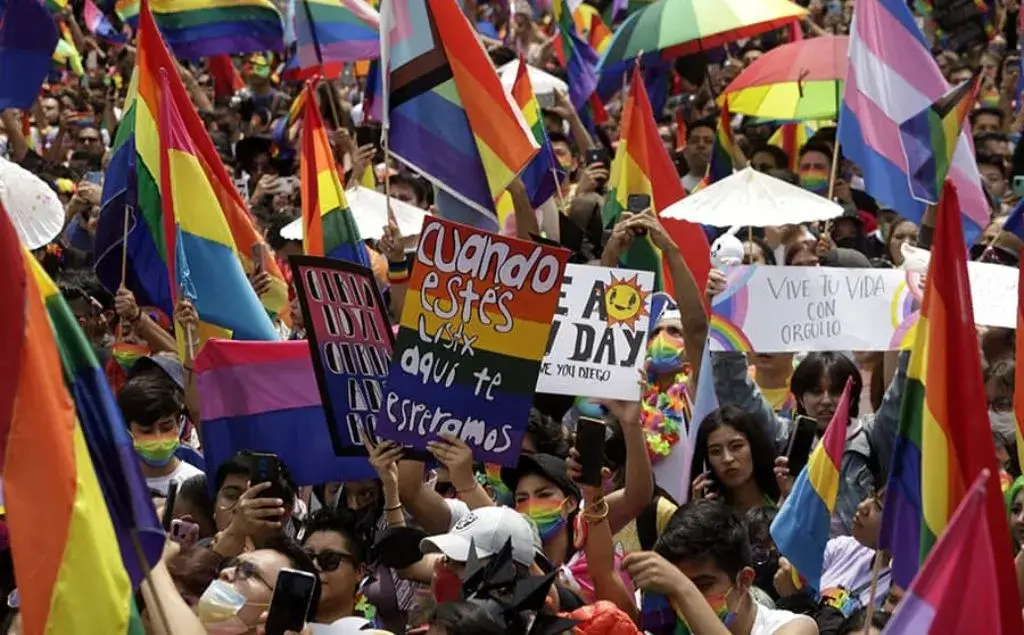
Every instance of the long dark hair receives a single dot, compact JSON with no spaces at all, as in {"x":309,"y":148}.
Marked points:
{"x":836,"y":368}
{"x":762,"y":452}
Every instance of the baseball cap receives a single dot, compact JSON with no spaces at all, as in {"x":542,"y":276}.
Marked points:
{"x":167,"y":362}
{"x":488,"y":529}
{"x":549,"y":466}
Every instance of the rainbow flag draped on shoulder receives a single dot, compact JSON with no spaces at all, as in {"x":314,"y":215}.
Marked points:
{"x":447,"y":115}
{"x":330,"y":33}
{"x":539,"y":174}
{"x":328,"y":228}
{"x":133,"y":187}
{"x":944,"y":439}
{"x":200,"y":28}
{"x":642,"y":166}
{"x":67,"y":558}
{"x":801,"y":530}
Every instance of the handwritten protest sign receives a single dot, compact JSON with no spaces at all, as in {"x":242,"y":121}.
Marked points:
{"x":473,"y":331}
{"x":791,"y":309}
{"x":599,"y":333}
{"x":350,"y":342}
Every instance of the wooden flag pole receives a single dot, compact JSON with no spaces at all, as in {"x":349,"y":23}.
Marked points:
{"x":876,"y":569}
{"x":124,"y":244}
{"x":147,"y":571}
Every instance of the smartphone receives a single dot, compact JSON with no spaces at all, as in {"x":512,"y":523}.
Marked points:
{"x":590,"y":437}
{"x":835,"y":8}
{"x":257,"y":258}
{"x":266,"y":468}
{"x":638,"y":203}
{"x":801,"y":440}
{"x":183,"y":532}
{"x":712,"y":487}
{"x":1018,"y":185}
{"x":290,"y":603}
{"x":368,"y":135}
{"x":93,"y":177}
{"x":172,"y":495}
{"x":598,"y":155}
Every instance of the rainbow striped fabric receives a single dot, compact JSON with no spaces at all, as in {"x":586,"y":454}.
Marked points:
{"x":133,"y":181}
{"x":945,"y":438}
{"x":723,"y":150}
{"x":68,"y":560}
{"x":642,"y":166}
{"x":225,"y":301}
{"x":328,"y":228}
{"x":589,"y":24}
{"x":801,"y":528}
{"x":539,"y":174}
{"x":99,"y":25}
{"x":790,"y":137}
{"x":450,"y":118}
{"x":56,"y":6}
{"x":198,"y":28}
{"x":934,"y":604}
{"x":506,"y":334}
{"x":929,"y":139}
{"x":575,"y":55}
{"x":330,"y":33}
{"x":128,"y":11}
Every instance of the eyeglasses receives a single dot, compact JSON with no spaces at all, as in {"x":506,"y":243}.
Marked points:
{"x":329,"y":560}
{"x":245,"y":570}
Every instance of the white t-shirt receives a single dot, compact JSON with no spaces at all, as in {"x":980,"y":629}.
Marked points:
{"x":768,"y":621}
{"x":457,"y":509}
{"x":182,"y":473}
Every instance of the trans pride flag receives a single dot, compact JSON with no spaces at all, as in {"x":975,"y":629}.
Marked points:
{"x":892,"y":77}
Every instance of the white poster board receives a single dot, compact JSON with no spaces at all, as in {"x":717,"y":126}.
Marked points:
{"x":598,"y":336}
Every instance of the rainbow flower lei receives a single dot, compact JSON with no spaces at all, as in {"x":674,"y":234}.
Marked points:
{"x":664,"y":414}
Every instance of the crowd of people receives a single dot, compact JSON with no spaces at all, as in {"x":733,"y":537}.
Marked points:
{"x":444,"y":545}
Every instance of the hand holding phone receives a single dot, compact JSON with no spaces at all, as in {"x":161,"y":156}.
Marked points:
{"x":183,"y":532}
{"x":590,"y":438}
{"x":801,"y":440}
{"x":266,"y":468}
{"x":597,"y":155}
{"x":292,"y":596}
{"x":168,"y":515}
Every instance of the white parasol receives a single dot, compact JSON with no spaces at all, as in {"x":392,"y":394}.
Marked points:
{"x":543,"y":83}
{"x":369,"y":207}
{"x":33,"y":207}
{"x":752,"y":198}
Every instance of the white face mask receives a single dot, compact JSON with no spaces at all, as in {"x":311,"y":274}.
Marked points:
{"x":1002,"y":421}
{"x":218,"y":609}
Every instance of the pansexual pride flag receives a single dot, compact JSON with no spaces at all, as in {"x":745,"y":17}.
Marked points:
{"x":642,"y":166}
{"x":263,"y":397}
{"x":330,"y":33}
{"x":962,"y":559}
{"x":505,"y":332}
{"x":944,"y":439}
{"x":68,"y":562}
{"x":449,"y":117}
{"x":539,"y":175}
{"x":801,"y":529}
{"x":328,"y":228}
{"x":198,"y":28}
{"x":929,"y":139}
{"x":133,"y":181}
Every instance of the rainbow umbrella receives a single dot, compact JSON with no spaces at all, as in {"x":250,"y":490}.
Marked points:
{"x":794,"y":82}
{"x":672,"y":28}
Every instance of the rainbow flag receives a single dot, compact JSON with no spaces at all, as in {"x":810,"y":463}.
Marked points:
{"x":225,"y":301}
{"x":27,"y":40}
{"x":539,"y":174}
{"x":934,"y":604}
{"x":576,"y":56}
{"x":723,"y":150}
{"x":330,"y":33}
{"x":128,"y":11}
{"x":944,"y":439}
{"x":56,"y":6}
{"x":449,"y":117}
{"x":263,"y":397}
{"x":590,"y":26}
{"x":99,"y":25}
{"x":328,"y":227}
{"x":930,"y":137}
{"x":66,"y":53}
{"x":790,"y":137}
{"x":801,"y":528}
{"x":132,"y":183}
{"x":642,"y":166}
{"x":68,"y":562}
{"x":199,"y":28}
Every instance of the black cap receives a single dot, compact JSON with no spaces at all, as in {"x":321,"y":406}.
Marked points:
{"x":549,"y":466}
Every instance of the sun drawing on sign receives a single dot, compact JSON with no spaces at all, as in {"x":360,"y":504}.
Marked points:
{"x":625,"y":301}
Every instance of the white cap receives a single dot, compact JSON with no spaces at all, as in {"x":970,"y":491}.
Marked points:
{"x":489,"y":528}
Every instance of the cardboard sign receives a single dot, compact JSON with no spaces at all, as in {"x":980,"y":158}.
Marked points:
{"x":599,"y":333}
{"x":473,"y":331}
{"x":350,"y":342}
{"x":794,"y":309}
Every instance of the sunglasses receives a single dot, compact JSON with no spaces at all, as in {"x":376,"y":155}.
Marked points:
{"x":245,"y":570}
{"x":329,"y":560}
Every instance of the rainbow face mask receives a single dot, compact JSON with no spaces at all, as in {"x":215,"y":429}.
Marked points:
{"x":665,"y":354}
{"x":814,"y":181}
{"x":546,"y":513}
{"x":156,"y":452}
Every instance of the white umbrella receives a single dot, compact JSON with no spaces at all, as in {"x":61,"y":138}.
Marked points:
{"x":751,"y":198}
{"x":369,"y":207}
{"x":543,"y":83}
{"x":33,"y":207}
